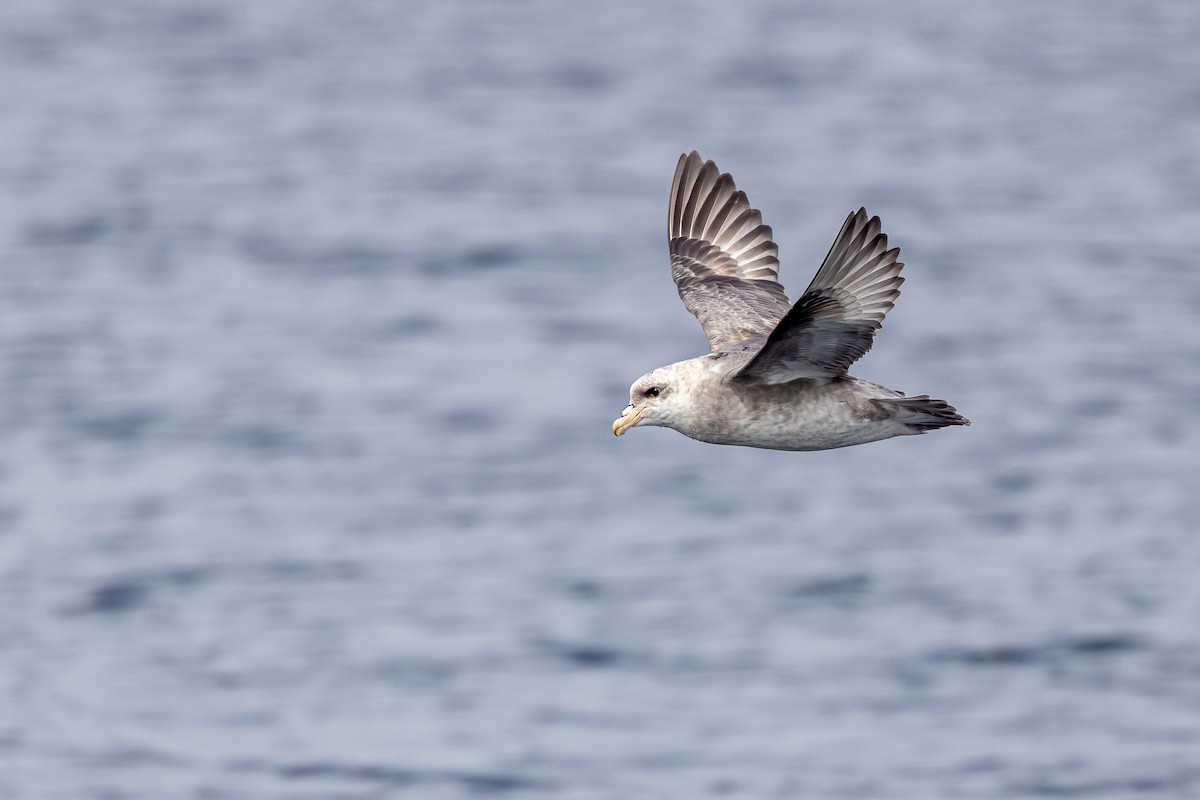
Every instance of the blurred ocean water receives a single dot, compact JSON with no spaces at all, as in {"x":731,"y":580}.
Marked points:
{"x":314,"y":316}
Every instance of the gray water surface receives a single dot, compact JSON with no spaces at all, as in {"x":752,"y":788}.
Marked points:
{"x":314,"y":317}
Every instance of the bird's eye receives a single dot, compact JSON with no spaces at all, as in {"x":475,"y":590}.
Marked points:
{"x":653,"y":391}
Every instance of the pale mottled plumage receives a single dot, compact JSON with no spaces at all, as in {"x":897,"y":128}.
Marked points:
{"x":776,"y":374}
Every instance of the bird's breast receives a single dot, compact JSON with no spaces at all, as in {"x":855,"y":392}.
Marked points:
{"x":801,"y":415}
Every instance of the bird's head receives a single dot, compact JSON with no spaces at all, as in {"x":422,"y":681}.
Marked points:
{"x":657,"y":398}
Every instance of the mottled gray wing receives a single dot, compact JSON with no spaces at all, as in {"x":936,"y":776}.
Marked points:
{"x":722,"y":257}
{"x":834,"y":323}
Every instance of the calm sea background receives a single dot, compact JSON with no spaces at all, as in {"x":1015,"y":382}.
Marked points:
{"x":314,"y":317}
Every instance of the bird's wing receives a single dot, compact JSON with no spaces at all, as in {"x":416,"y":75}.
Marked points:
{"x":833,"y":324}
{"x":722,"y":258}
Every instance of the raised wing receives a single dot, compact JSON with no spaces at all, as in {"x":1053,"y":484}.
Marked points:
{"x":834,"y":323}
{"x":722,"y":258}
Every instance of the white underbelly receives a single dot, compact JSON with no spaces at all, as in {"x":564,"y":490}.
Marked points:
{"x":822,"y":418}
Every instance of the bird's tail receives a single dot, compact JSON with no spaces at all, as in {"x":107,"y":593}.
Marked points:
{"x":923,"y":413}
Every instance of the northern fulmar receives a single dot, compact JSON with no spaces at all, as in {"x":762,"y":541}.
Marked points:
{"x":776,"y":376}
